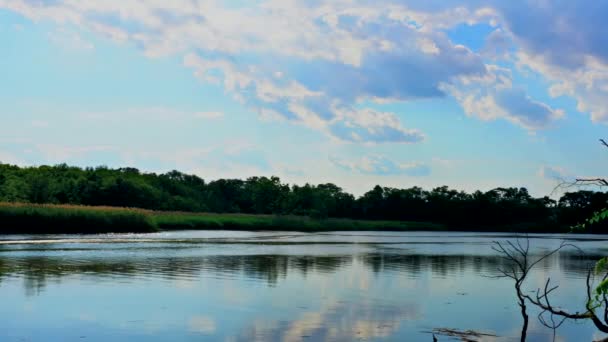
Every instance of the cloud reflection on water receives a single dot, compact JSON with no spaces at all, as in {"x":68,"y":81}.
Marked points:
{"x":365,"y":289}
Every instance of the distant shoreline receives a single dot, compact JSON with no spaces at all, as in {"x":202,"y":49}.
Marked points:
{"x":266,"y":203}
{"x":26,"y":218}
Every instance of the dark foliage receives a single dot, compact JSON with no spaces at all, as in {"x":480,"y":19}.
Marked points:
{"x":509,"y":209}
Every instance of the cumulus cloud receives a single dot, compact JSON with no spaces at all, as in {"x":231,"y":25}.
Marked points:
{"x":382,"y":166}
{"x":303,"y":61}
{"x":525,"y":111}
{"x":494,"y":97}
{"x":561,"y":42}
{"x":306,"y":62}
{"x":564,"y":32}
{"x":497,"y":44}
{"x":368,"y":125}
{"x":588,"y":85}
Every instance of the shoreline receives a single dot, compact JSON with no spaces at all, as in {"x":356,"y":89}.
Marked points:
{"x":25,"y":218}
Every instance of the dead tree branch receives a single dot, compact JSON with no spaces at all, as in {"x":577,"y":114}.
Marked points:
{"x":517,"y":254}
{"x":581,"y":182}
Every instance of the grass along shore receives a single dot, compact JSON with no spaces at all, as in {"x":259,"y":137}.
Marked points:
{"x":18,"y":218}
{"x":21,"y":218}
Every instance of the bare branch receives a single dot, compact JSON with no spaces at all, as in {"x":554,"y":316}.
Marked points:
{"x":581,"y":182}
{"x":518,"y":255}
{"x":542,"y":301}
{"x":561,"y":246}
{"x":591,"y":181}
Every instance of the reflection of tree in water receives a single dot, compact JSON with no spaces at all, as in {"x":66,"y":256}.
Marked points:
{"x":37,"y":271}
{"x":271,"y":268}
{"x":451,"y":265}
{"x":319,"y":264}
{"x":438,"y":265}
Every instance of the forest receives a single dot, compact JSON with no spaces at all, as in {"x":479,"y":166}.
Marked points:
{"x":500,"y":209}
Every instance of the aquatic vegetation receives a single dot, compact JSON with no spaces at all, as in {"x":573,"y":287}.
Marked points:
{"x":21,"y":218}
{"x":18,"y":218}
{"x":170,"y":221}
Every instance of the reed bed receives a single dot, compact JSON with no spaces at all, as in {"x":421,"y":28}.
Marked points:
{"x":171,"y":221}
{"x":19,"y":218}
{"x":22,"y":218}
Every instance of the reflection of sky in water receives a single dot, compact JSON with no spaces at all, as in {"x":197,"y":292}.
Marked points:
{"x":243,"y":286}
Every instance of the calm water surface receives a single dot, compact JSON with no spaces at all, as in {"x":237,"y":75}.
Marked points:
{"x":276,"y":286}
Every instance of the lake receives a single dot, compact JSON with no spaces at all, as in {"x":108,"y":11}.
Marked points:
{"x":278,"y":286}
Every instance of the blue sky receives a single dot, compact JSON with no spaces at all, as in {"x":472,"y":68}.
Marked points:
{"x":465,"y":93}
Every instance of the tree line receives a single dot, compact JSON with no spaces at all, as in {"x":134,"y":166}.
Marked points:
{"x":509,"y":208}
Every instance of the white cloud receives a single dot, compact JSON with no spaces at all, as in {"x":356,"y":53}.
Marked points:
{"x":426,"y":45}
{"x":295,"y":58}
{"x":371,"y":126}
{"x":588,"y":85}
{"x":382,"y":166}
{"x":303,"y":60}
{"x":559,"y":41}
{"x":298,"y":104}
{"x":493,"y":97}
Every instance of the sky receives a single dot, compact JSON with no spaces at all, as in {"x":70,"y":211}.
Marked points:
{"x":465,"y":93}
